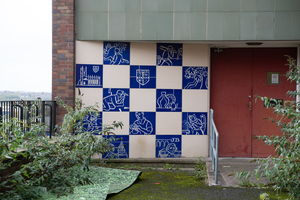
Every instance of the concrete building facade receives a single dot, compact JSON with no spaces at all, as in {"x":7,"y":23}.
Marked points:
{"x":153,"y":64}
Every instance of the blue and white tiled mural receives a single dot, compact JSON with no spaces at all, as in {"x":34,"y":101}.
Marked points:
{"x":142,"y":76}
{"x":168,"y":100}
{"x":195,"y":78}
{"x":142,"y":123}
{"x":143,"y":84}
{"x":115,"y":99}
{"x":194,"y":123}
{"x":169,"y":54}
{"x":93,"y":123}
{"x":168,"y":146}
{"x":119,"y":147}
{"x":116,"y":53}
{"x":89,"y":76}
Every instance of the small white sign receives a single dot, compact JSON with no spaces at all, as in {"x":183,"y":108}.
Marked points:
{"x":275,"y":78}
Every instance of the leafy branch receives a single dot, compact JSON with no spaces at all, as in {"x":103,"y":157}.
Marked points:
{"x":283,"y":171}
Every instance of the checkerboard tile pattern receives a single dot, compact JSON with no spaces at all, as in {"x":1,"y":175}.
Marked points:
{"x":160,"y":96}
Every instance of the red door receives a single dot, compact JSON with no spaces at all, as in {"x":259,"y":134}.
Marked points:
{"x":237,"y":75}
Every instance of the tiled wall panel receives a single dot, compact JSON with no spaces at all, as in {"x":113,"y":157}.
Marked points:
{"x":160,"y":91}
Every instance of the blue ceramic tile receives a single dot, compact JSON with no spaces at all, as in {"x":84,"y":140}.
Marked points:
{"x":115,"y":99}
{"x":116,"y":53}
{"x":93,"y":123}
{"x":195,"y":78}
{"x":89,"y":76}
{"x":194,"y":123}
{"x":142,"y":123}
{"x":142,"y":76}
{"x":168,"y":146}
{"x":119,"y":147}
{"x":168,"y":100}
{"x":169,"y":54}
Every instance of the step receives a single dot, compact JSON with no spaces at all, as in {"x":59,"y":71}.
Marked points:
{"x":153,"y":162}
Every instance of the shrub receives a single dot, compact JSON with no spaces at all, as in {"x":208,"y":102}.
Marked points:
{"x":55,"y":165}
{"x":283,"y":171}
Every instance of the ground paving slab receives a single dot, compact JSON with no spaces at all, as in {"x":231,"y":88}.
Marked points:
{"x":227,"y":166}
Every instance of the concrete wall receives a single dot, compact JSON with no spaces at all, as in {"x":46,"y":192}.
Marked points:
{"x":190,"y":20}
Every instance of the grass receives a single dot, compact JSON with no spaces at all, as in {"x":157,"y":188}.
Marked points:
{"x":200,"y":170}
{"x":173,"y":184}
{"x":156,"y":184}
{"x":170,"y":183}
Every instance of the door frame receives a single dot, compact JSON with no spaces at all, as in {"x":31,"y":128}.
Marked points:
{"x":211,"y":69}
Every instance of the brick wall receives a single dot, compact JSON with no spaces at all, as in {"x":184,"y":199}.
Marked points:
{"x":63,"y":53}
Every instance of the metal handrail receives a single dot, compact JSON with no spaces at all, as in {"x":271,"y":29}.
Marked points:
{"x":214,"y":146}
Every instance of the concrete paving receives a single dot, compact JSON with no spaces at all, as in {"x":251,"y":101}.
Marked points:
{"x":156,"y":162}
{"x":227,"y":166}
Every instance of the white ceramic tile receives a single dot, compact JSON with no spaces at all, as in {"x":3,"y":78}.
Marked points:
{"x":195,"y":146}
{"x":116,"y":76}
{"x":168,"y":123}
{"x":97,"y":156}
{"x":142,"y":146}
{"x":109,"y":117}
{"x":143,"y":100}
{"x":195,"y":101}
{"x":196,"y":55}
{"x":142,"y":53}
{"x":91,"y":96}
{"x":89,"y":52}
{"x":169,"y":77}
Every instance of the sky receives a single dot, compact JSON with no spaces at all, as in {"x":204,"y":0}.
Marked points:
{"x":26,"y":45}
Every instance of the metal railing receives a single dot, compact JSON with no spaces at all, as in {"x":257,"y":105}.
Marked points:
{"x":214,"y":146}
{"x":28,"y":112}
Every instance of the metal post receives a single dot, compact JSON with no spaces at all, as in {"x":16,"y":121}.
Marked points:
{"x":51,"y":123}
{"x":216,"y":165}
{"x":28,"y":115}
{"x":54,"y":114}
{"x":210,"y":133}
{"x":11,"y":109}
{"x":36,"y":112}
{"x":43,"y":112}
{"x":214,"y":145}
{"x":1,"y":114}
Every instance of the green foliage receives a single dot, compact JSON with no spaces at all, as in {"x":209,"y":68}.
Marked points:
{"x":200,"y":169}
{"x":245,"y":179}
{"x":264,"y":196}
{"x":283,"y":171}
{"x":167,"y":166}
{"x":55,"y":165}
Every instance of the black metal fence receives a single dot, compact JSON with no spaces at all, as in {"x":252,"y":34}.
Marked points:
{"x":30,"y":112}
